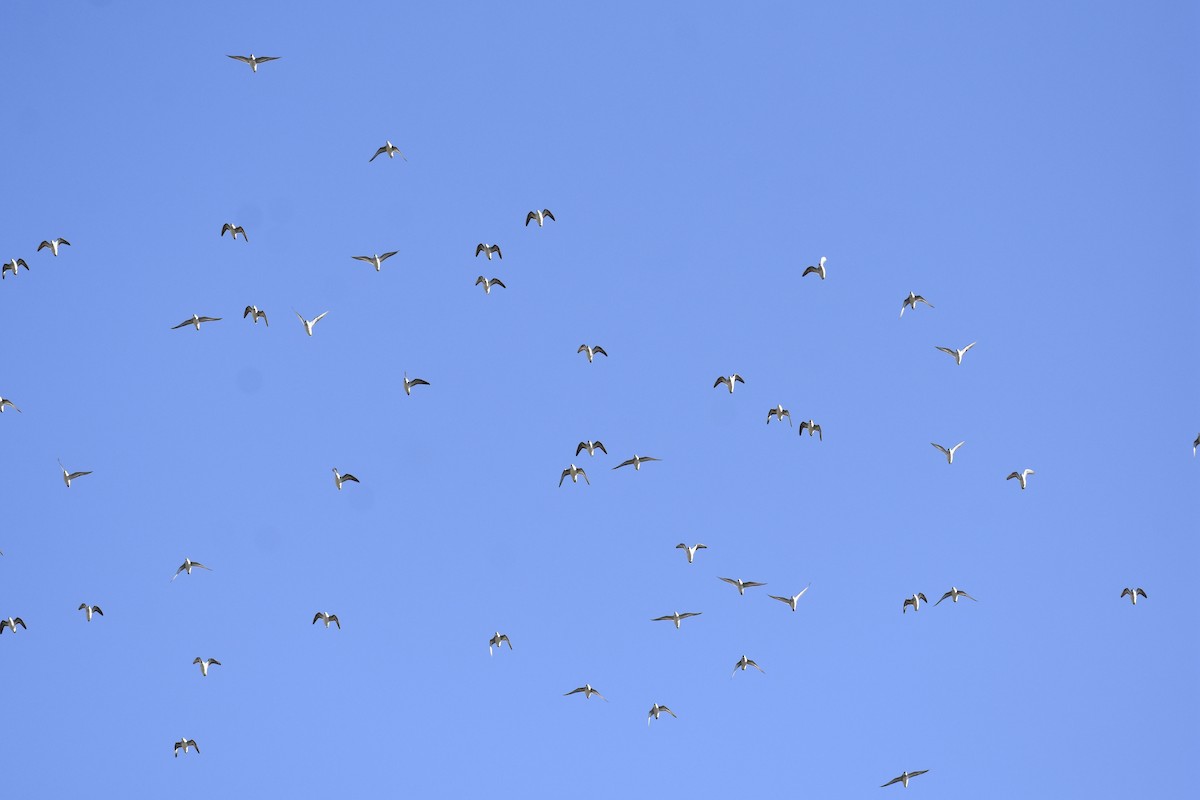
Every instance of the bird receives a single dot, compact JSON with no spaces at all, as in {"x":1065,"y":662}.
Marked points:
{"x":656,"y":710}
{"x":911,"y":302}
{"x":904,"y":777}
{"x":376,"y":260}
{"x":53,"y":244}
{"x":637,"y":462}
{"x":591,"y":447}
{"x":574,"y":472}
{"x":5,"y":402}
{"x":540,"y":216}
{"x":819,"y":269}
{"x":90,"y":610}
{"x":258,"y":314}
{"x":791,"y":601}
{"x":488,"y":249}
{"x":691,"y":551}
{"x":1022,"y":476}
{"x":185,"y":743}
{"x":958,"y":354}
{"x":308,"y":324}
{"x":498,"y":639}
{"x":70,"y":476}
{"x":388,"y":148}
{"x":195,"y":320}
{"x":591,"y":351}
{"x":744,"y":662}
{"x":915,"y":602}
{"x":235,"y":230}
{"x":408,"y":384}
{"x":741,"y":584}
{"x":11,"y":266}
{"x":676,"y":617}
{"x":729,"y":380}
{"x":253,"y":61}
{"x":1133,"y":594}
{"x":327,"y":618}
{"x":1195,"y":444}
{"x":949,"y":453}
{"x":489,"y":283}
{"x":588,"y":691}
{"x":779,"y":412}
{"x":188,"y":565}
{"x":812,"y":428}
{"x":953,"y":594}
{"x":204,"y":665}
{"x":339,"y":479}
{"x":12,"y":622}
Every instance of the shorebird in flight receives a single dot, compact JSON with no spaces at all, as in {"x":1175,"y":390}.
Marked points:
{"x":911,"y":302}
{"x":691,"y":551}
{"x":195,"y":321}
{"x":376,"y":260}
{"x":53,"y":244}
{"x":388,"y":148}
{"x":591,"y":447}
{"x":258,"y":314}
{"x":953,"y":594}
{"x":574,"y":472}
{"x":488,"y":249}
{"x":497,"y":640}
{"x":676,"y":617}
{"x":308,"y":324}
{"x":915,"y":601}
{"x":1133,"y":594}
{"x":6,"y":403}
{"x":637,"y":462}
{"x":488,"y":283}
{"x":591,"y":351}
{"x":812,"y":428}
{"x":184,"y":744}
{"x":11,"y":266}
{"x":656,"y":710}
{"x":588,"y":691}
{"x":791,"y":601}
{"x":409,"y":384}
{"x":327,"y":618}
{"x":744,"y":662}
{"x":1022,"y":476}
{"x":819,"y":269}
{"x":235,"y":230}
{"x":729,"y":380}
{"x":12,"y":622}
{"x":741,"y":584}
{"x":253,"y":61}
{"x":339,"y":479}
{"x":187,"y":566}
{"x":779,"y":412}
{"x":904,"y":777}
{"x":204,"y":665}
{"x":1195,"y":445}
{"x":70,"y":476}
{"x":90,"y":610}
{"x":958,"y":354}
{"x":540,"y":216}
{"x":949,"y":453}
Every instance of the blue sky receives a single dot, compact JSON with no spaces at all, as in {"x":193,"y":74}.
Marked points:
{"x":1029,"y":168}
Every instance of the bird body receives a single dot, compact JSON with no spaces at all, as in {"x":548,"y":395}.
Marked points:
{"x":204,"y":665}
{"x":195,"y":321}
{"x":257,"y":313}
{"x":911,"y":302}
{"x":70,"y":476}
{"x":691,"y":551}
{"x":339,"y":479}
{"x":591,"y":447}
{"x":588,"y":691}
{"x":958,"y":354}
{"x":53,"y":244}
{"x":253,"y":61}
{"x":497,"y":640}
{"x":779,"y":412}
{"x":744,"y":662}
{"x":676,"y":617}
{"x":90,"y":610}
{"x":388,"y":148}
{"x":741,"y":584}
{"x":308,"y":323}
{"x":915,"y":601}
{"x":574,"y":472}
{"x":540,"y":216}
{"x":819,"y":269}
{"x":729,"y":380}
{"x":904,"y":778}
{"x":1133,"y":594}
{"x":488,"y":283}
{"x":953,"y":594}
{"x":327,"y":618}
{"x":1022,"y":476}
{"x":234,"y":230}
{"x":637,"y":462}
{"x":949,"y":453}
{"x":791,"y":601}
{"x":187,"y":566}
{"x":487,"y":250}
{"x":376,"y":260}
{"x":591,"y":351}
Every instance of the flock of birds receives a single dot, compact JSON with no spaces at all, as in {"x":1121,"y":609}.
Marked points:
{"x":540,"y":216}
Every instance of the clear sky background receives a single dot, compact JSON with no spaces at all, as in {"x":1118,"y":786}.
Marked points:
{"x":1030,"y":168}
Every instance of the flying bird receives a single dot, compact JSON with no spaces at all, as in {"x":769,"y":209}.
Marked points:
{"x":744,"y":662}
{"x":339,"y":479}
{"x":949,"y":453}
{"x":1022,"y":476}
{"x":691,"y":551}
{"x":376,"y":260}
{"x":11,"y":266}
{"x":911,"y":302}
{"x":488,"y":249}
{"x":12,"y":622}
{"x":540,"y":216}
{"x":204,"y":665}
{"x":791,"y":601}
{"x":53,"y":244}
{"x":70,"y":476}
{"x":591,"y":351}
{"x":915,"y":601}
{"x":1133,"y":594}
{"x":185,"y":743}
{"x":1195,"y":444}
{"x":489,"y":283}
{"x":308,"y":324}
{"x":258,"y":314}
{"x":253,"y":61}
{"x":6,"y":403}
{"x":408,"y":384}
{"x":741,"y":584}
{"x":90,"y":610}
{"x":187,"y":566}
{"x":729,"y":380}
{"x":779,"y":412}
{"x":497,"y":640}
{"x":327,"y":618}
{"x":953,"y":594}
{"x":574,"y":472}
{"x":591,"y":447}
{"x":812,"y":428}
{"x":195,"y":321}
{"x":676,"y":617}
{"x":637,"y":462}
{"x":656,"y":710}
{"x":904,"y":777}
{"x":388,"y":148}
{"x":588,"y":691}
{"x":819,"y":269}
{"x":235,"y":230}
{"x":958,"y":354}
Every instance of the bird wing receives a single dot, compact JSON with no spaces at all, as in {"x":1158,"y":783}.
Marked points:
{"x":418,"y":382}
{"x":316,"y":617}
{"x":498,"y":282}
{"x":243,"y":59}
{"x":752,"y":583}
{"x":529,"y":217}
{"x":261,"y":59}
{"x":600,"y":350}
{"x":582,"y":348}
{"x":201,"y":566}
{"x":968,"y":347}
{"x":496,"y":249}
{"x":377,"y":152}
{"x":386,"y":256}
{"x":585,"y":477}
{"x":918,"y":772}
{"x":750,"y":663}
{"x":97,"y":610}
{"x":212,"y":661}
{"x":1142,"y":592}
{"x":947,"y":350}
{"x":729,"y":580}
{"x":210,"y":319}
{"x":787,"y":600}
{"x":960,"y":444}
{"x":721,"y":380}
{"x":349,"y":477}
{"x":480,"y":248}
{"x":180,"y":325}
{"x":737,"y":378}
{"x":1013,"y":475}
{"x":623,"y":464}
{"x":333,"y":618}
{"x":601,"y":446}
{"x":573,"y":691}
{"x":687,"y":614}
{"x":810,"y":269}
{"x":922,"y":596}
{"x":889,"y":783}
{"x":947,"y":594}
{"x":964,"y":594}
{"x":579,"y":449}
{"x":662,"y":619}
{"x":367,"y":259}
{"x":650,"y":458}
{"x":546,"y":213}
{"x":566,"y":472}
{"x":480,"y":280}
{"x":18,"y":621}
{"x":75,"y":475}
{"x":318,"y":317}
{"x":43,"y":244}
{"x":939,"y":447}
